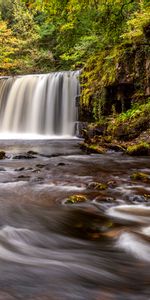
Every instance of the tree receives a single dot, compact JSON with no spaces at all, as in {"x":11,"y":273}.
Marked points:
{"x":8,"y":49}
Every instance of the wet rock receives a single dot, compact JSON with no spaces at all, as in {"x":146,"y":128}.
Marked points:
{"x":37,"y":179}
{"x":36,"y":171}
{"x":139,"y":149}
{"x":20,"y":169}
{"x":147,"y":197}
{"x":104,"y":199}
{"x":97,"y":186}
{"x":61,"y":164}
{"x":23,"y":177}
{"x":92,"y":148}
{"x":2,"y":155}
{"x":141,"y":177}
{"x":2,"y":170}
{"x":112,"y":184}
{"x":40,"y":166}
{"x":137,"y":198}
{"x":32,"y":152}
{"x":116,"y":147}
{"x":76,"y":199}
{"x":24,"y":156}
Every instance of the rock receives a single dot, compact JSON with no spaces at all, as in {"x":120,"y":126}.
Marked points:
{"x":104,"y":199}
{"x":24,"y":156}
{"x":140,"y":176}
{"x":20,"y":169}
{"x":97,"y":186}
{"x":61,"y":164}
{"x":81,"y":129}
{"x":139,"y":149}
{"x":36,"y":171}
{"x":92,"y":148}
{"x":137,"y":198}
{"x":32,"y":152}
{"x":2,"y":154}
{"x":2,"y":170}
{"x":76,"y":199}
{"x":23,"y":177}
{"x":112,"y":184}
{"x":116,"y":148}
{"x":147,"y":197}
{"x":40,"y":166}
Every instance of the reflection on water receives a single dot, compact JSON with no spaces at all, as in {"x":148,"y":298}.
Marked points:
{"x":93,"y":251}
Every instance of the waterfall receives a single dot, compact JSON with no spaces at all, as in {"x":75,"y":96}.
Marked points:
{"x":39,"y":104}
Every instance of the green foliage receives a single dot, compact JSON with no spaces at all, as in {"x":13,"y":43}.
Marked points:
{"x":8,"y":49}
{"x":135,"y":112}
{"x":129,"y":125}
{"x":74,"y":34}
{"x":135,"y":25}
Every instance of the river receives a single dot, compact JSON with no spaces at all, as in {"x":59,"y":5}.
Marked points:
{"x":51,"y":250}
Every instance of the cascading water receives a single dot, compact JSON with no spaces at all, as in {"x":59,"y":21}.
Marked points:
{"x":39,"y":104}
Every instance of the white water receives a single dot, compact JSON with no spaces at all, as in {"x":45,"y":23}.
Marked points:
{"x":37,"y":106}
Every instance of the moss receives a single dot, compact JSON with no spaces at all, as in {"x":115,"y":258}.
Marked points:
{"x":92,"y":148}
{"x":108,"y":139}
{"x":140,"y":176}
{"x":76,"y":199}
{"x":139,"y":149}
{"x":98,"y":186}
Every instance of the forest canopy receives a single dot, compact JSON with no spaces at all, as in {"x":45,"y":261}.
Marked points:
{"x":42,"y":36}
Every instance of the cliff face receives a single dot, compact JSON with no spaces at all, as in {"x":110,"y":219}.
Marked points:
{"x":132,"y":82}
{"x":116,"y":78}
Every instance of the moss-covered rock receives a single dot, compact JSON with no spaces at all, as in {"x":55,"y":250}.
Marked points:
{"x":93,"y":148}
{"x":76,"y":199}
{"x":141,"y":177}
{"x":97,"y":186}
{"x":139,"y":149}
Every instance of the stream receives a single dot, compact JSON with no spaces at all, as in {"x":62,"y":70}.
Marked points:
{"x":51,"y":250}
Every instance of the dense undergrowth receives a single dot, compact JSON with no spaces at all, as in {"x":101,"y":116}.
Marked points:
{"x":128,"y":132}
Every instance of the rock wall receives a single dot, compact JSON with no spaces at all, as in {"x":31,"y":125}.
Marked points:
{"x":132,"y":83}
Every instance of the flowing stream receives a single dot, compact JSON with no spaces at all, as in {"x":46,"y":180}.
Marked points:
{"x":51,"y":250}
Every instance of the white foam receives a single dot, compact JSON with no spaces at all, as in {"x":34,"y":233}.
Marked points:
{"x":133,"y":244}
{"x":146,"y":230}
{"x":62,"y":187}
{"x":30,"y":136}
{"x":138,"y":213}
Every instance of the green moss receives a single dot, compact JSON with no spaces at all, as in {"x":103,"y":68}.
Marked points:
{"x":76,"y":199}
{"x":98,"y":186}
{"x":139,"y":149}
{"x":140,"y":176}
{"x":96,"y":149}
{"x":92,"y":148}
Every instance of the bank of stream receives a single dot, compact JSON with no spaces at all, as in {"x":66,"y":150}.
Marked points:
{"x":55,"y":249}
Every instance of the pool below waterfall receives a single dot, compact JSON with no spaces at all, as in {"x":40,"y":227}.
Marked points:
{"x":51,"y":249}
